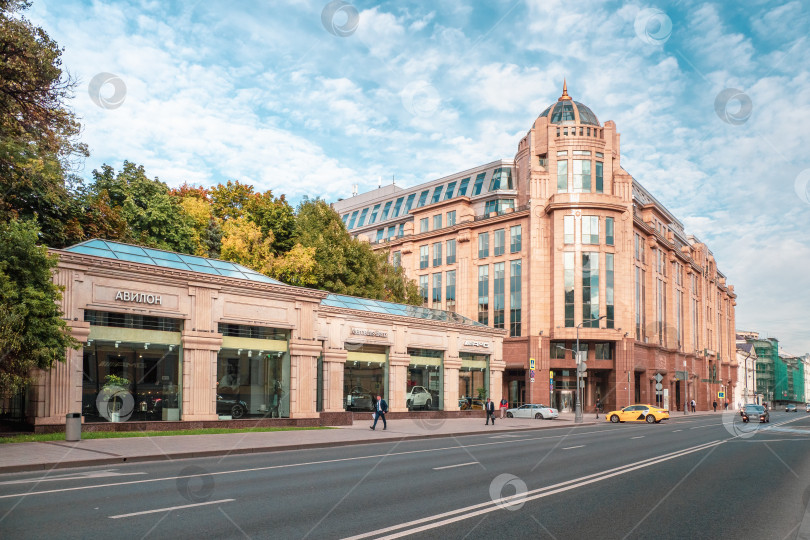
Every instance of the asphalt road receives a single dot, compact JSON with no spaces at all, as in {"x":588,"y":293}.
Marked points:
{"x":688,"y":477}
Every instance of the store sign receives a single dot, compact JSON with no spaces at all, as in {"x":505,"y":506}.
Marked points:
{"x":139,"y":298}
{"x":470,"y":343}
{"x":370,"y":333}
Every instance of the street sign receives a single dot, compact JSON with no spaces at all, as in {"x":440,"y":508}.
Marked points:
{"x":659,"y":386}
{"x":721,"y":395}
{"x":532,"y":379}
{"x":531,"y":374}
{"x":659,"y":377}
{"x":582,"y":367}
{"x":531,"y":363}
{"x":550,"y":374}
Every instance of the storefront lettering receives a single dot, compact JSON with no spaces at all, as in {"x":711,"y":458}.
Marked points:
{"x":141,"y":298}
{"x":370,"y":333}
{"x":470,"y":343}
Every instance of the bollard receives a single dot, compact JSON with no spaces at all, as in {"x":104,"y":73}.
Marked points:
{"x":73,"y":426}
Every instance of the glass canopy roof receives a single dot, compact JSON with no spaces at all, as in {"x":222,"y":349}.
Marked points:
{"x":167,"y":259}
{"x":378,"y":306}
{"x":562,"y":112}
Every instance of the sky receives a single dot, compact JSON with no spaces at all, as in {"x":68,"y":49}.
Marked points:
{"x":308,"y":98}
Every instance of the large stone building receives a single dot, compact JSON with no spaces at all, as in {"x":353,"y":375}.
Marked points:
{"x":168,"y":337}
{"x":559,"y":244}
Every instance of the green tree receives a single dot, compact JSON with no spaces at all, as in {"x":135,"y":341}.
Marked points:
{"x":274,"y":216}
{"x":229,"y":200}
{"x":152,"y":215}
{"x":38,"y":133}
{"x":32,"y":331}
{"x":346,"y":265}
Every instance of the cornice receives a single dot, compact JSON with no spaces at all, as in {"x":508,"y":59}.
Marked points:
{"x":495,"y":332}
{"x":101,"y":266}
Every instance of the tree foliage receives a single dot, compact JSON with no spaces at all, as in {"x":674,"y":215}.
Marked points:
{"x":32,"y":331}
{"x":346,"y":265}
{"x":152,"y":215}
{"x":38,"y":133}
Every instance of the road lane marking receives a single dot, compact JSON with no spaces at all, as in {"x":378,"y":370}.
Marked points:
{"x":677,"y":430}
{"x":303,"y":464}
{"x":72,"y":476}
{"x":453,"y":466}
{"x":170,"y":508}
{"x":639,"y":437}
{"x":460,"y":514}
{"x":572,"y":447}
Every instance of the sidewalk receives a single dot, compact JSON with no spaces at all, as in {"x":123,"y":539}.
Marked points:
{"x":37,"y":456}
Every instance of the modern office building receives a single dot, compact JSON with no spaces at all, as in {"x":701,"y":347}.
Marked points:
{"x":172,"y":337}
{"x":558,"y":246}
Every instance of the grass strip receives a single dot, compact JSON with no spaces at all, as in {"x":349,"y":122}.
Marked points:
{"x":44,"y":437}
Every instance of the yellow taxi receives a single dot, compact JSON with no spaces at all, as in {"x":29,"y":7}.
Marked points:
{"x":638,"y":413}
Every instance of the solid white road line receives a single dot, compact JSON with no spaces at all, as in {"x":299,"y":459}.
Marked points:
{"x":170,"y":508}
{"x":520,"y":498}
{"x":677,"y":430}
{"x":572,"y":447}
{"x":271,"y":467}
{"x":453,"y":466}
{"x":72,"y":476}
{"x":639,"y":437}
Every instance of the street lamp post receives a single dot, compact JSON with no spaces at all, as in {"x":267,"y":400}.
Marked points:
{"x":578,"y":406}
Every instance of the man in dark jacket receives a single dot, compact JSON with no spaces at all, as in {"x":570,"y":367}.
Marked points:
{"x":490,"y":408}
{"x":379,"y":412}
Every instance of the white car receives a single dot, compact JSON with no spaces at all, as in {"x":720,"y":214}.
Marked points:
{"x":533,"y":410}
{"x":418,"y":397}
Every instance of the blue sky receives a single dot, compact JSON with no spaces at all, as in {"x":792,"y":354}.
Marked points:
{"x":277,"y":94}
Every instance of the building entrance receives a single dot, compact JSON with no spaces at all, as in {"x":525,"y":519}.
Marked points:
{"x":564,"y":400}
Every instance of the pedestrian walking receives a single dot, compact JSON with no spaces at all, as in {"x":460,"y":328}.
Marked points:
{"x":379,"y":412}
{"x":598,"y":407}
{"x":714,"y":405}
{"x":725,"y":406}
{"x":490,"y":408}
{"x":694,"y":406}
{"x":504,"y":406}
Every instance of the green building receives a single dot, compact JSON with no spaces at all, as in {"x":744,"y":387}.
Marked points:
{"x":767,"y":357}
{"x":789,"y":374}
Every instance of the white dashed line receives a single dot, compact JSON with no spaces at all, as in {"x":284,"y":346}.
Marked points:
{"x":452,"y":466}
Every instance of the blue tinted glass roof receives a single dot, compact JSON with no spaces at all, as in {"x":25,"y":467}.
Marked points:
{"x":167,"y":259}
{"x":379,"y":306}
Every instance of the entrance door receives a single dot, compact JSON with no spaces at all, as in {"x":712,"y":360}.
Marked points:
{"x":565,"y":400}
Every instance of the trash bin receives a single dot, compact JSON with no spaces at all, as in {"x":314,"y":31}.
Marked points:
{"x":73,"y":426}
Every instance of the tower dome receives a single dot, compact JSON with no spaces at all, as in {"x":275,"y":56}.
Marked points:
{"x":568,"y":111}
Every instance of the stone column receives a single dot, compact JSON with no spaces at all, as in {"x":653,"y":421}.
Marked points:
{"x":397,"y":380}
{"x":199,"y":375}
{"x":58,"y":391}
{"x":304,"y":355}
{"x":451,"y":368}
{"x":334,"y":363}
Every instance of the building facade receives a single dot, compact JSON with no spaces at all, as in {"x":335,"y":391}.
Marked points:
{"x":173,"y":337}
{"x":561,"y":246}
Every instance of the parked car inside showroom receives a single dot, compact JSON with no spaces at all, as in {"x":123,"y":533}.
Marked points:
{"x":231,"y":407}
{"x":533,"y":410}
{"x":419,"y":397}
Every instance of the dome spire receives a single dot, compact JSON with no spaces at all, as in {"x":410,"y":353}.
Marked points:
{"x":564,"y":96}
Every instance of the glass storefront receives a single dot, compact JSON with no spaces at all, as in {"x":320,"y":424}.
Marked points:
{"x":473,"y":381}
{"x":131,"y":368}
{"x":364,"y":376}
{"x":423,"y":390}
{"x":253,"y":372}
{"x":130,"y":381}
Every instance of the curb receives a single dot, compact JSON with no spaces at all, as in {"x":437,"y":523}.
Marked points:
{"x":240,"y":451}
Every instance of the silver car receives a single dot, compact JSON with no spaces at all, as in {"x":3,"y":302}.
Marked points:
{"x":533,"y":410}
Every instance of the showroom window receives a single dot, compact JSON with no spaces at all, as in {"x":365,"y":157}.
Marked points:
{"x":423,"y":389}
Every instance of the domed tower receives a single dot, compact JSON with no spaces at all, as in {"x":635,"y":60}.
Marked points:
{"x":581,"y":223}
